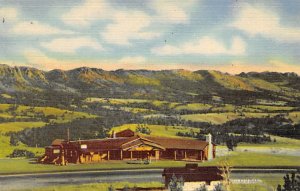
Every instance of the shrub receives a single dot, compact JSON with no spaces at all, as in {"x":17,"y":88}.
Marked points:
{"x":111,"y":188}
{"x":202,"y":188}
{"x":291,"y":183}
{"x":218,"y":187}
{"x":21,"y":153}
{"x":176,"y":184}
{"x":126,"y":188}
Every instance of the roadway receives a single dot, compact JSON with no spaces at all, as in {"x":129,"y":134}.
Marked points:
{"x":29,"y":181}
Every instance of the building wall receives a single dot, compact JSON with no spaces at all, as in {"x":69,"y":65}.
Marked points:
{"x":71,"y":152}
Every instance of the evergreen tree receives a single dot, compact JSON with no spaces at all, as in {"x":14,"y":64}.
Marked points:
{"x":291,"y":183}
{"x":111,"y":188}
{"x":13,"y":141}
{"x":176,"y":184}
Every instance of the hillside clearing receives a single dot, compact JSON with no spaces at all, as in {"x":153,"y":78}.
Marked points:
{"x":158,"y":130}
{"x":220,"y":118}
{"x":19,"y":126}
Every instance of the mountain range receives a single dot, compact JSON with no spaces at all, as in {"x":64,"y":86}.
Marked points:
{"x":175,"y":85}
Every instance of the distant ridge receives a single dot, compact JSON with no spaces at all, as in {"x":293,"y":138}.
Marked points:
{"x":164,"y":84}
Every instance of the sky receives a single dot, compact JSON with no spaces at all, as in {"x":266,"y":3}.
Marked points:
{"x":227,"y":35}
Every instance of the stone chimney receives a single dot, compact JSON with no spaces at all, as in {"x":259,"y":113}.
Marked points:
{"x":210,"y":147}
{"x":113,"y":134}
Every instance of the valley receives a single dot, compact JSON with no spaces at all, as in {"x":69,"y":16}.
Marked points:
{"x":252,"y":117}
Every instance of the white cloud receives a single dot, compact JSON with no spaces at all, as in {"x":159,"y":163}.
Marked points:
{"x":126,"y":26}
{"x":204,"y":46}
{"x":132,"y":59}
{"x":237,"y":67}
{"x":238,"y":46}
{"x":40,"y":60}
{"x":85,"y":14}
{"x":9,"y":14}
{"x":70,"y":45}
{"x":174,"y":12}
{"x":261,"y":21}
{"x":36,"y":28}
{"x":17,"y":25}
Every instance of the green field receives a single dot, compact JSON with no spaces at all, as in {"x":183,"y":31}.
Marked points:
{"x":56,"y":115}
{"x":131,"y":109}
{"x":98,"y":186}
{"x":271,"y":108}
{"x":7,"y":149}
{"x":193,"y":106}
{"x":115,"y":101}
{"x":11,"y":166}
{"x":158,"y":130}
{"x":220,"y":118}
{"x":19,"y":126}
{"x":249,"y":187}
{"x":248,"y":110}
{"x":24,"y":115}
{"x":269,"y":182}
{"x":294,"y":116}
{"x":256,"y":159}
{"x":281,"y":142}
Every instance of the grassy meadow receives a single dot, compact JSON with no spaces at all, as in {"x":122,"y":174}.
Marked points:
{"x":11,"y":166}
{"x":157,"y":130}
{"x":220,"y":118}
{"x":269,"y":182}
{"x":34,"y":117}
{"x":21,"y":117}
{"x":98,"y":186}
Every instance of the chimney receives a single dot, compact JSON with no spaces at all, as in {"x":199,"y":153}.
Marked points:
{"x":210,"y":147}
{"x":113,"y":134}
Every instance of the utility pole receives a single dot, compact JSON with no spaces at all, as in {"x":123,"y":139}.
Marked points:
{"x":68,"y":134}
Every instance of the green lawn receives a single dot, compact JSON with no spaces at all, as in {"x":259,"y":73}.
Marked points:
{"x":158,"y":130}
{"x":27,"y":166}
{"x":98,"y":186}
{"x":256,"y":159}
{"x":269,"y":182}
{"x":249,"y":187}
{"x":235,"y":159}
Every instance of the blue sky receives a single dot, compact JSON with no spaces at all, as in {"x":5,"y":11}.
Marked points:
{"x":227,"y":35}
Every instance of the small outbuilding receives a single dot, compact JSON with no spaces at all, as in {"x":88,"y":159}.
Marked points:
{"x":193,"y":173}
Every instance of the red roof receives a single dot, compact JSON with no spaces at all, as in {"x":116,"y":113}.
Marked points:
{"x":125,"y":143}
{"x":57,"y":142}
{"x":179,"y":143}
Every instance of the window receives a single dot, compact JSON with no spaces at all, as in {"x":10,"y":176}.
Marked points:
{"x":56,"y":151}
{"x":83,"y":146}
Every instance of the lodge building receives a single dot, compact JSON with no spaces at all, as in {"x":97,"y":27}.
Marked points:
{"x":128,"y":145}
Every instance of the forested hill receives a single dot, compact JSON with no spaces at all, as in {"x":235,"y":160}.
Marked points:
{"x":26,"y":83}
